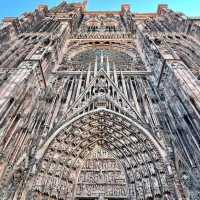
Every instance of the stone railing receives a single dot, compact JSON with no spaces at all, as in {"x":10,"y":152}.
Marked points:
{"x":102,"y":35}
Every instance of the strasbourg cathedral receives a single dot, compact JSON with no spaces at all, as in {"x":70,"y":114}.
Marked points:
{"x":99,"y":105}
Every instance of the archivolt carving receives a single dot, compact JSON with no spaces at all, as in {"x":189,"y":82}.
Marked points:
{"x":62,"y":156}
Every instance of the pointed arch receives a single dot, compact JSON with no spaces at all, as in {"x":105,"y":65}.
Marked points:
{"x":95,"y":84}
{"x":145,"y":131}
{"x":141,"y":155}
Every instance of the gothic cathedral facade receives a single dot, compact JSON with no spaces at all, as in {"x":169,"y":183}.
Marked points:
{"x":99,"y":105}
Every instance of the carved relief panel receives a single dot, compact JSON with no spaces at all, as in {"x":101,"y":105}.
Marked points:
{"x":101,"y":175}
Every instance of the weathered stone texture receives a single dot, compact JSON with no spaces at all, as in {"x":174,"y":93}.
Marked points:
{"x":99,"y":105}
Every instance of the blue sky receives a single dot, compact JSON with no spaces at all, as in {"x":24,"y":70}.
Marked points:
{"x":14,"y":8}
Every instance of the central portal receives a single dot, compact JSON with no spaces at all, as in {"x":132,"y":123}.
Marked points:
{"x":102,"y":156}
{"x":101,"y":178}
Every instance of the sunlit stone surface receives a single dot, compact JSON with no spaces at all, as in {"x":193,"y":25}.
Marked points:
{"x":99,"y":105}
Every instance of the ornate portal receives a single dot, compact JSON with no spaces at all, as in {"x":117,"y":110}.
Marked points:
{"x":99,"y":105}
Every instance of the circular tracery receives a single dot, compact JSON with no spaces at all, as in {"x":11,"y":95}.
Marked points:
{"x":116,"y":57}
{"x":66,"y":154}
